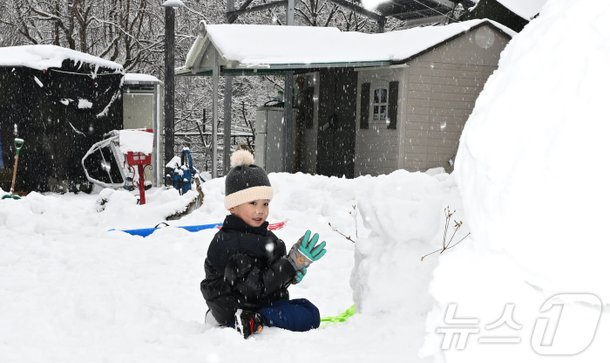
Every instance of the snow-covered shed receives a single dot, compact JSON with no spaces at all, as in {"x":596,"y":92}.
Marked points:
{"x":365,"y":103}
{"x":60,"y":101}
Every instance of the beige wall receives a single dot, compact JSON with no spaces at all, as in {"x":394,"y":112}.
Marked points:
{"x":377,"y":148}
{"x":437,"y":93}
{"x":442,"y":87}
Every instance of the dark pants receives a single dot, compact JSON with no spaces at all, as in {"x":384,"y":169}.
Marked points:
{"x":295,"y":315}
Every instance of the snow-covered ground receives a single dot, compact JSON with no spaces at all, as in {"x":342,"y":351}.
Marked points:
{"x":71,"y":291}
{"x":528,"y":285}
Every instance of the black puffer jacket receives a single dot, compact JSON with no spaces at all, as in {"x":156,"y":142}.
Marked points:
{"x":245,"y":268}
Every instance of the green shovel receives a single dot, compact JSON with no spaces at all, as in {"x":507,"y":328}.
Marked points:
{"x":341,"y":318}
{"x":18,"y":145}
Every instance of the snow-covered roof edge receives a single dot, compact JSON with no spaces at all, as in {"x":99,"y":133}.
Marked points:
{"x":332,"y":48}
{"x":173,"y":4}
{"x":43,"y":57}
{"x":140,"y":78}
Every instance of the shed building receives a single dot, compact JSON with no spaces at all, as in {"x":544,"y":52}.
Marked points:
{"x":60,"y":101}
{"x":365,"y":103}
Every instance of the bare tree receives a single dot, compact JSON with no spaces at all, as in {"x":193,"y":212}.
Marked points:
{"x":131,"y":32}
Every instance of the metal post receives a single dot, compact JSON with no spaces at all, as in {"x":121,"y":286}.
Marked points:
{"x":381,"y":25}
{"x":159,"y":165}
{"x":290,"y":12}
{"x":215,"y":80}
{"x":288,"y":114}
{"x":288,"y":123}
{"x":228,"y":101}
{"x":170,"y":16}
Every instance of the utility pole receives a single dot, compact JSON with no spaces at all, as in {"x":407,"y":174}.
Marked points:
{"x":170,"y":20}
{"x":215,"y":79}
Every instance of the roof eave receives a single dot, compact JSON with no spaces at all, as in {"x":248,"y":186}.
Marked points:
{"x":242,"y":69}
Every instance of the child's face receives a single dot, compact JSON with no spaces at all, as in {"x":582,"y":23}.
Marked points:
{"x":254,"y":213}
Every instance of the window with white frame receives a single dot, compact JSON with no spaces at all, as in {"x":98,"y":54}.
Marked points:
{"x":380,"y":104}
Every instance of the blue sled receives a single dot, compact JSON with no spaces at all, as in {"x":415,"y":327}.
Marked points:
{"x":144,"y":232}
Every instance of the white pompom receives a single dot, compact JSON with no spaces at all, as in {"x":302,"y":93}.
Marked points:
{"x":241,"y":158}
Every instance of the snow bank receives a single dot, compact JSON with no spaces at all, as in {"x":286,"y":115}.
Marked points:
{"x":526,"y":169}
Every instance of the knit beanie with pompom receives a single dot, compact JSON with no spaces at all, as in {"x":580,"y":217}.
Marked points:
{"x":245,"y":181}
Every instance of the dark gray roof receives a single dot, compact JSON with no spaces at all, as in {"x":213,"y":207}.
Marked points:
{"x":418,"y":9}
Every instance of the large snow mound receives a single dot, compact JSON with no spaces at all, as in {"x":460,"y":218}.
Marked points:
{"x":529,"y":170}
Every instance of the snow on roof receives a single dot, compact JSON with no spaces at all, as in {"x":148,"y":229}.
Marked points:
{"x":173,"y":4}
{"x":49,"y":56}
{"x":140,"y":78}
{"x":260,"y":46}
{"x":526,"y":9}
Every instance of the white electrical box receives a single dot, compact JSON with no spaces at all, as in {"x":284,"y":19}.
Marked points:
{"x":142,"y":102}
{"x":269,"y":139}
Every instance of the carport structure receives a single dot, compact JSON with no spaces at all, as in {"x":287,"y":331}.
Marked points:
{"x":334,"y":61}
{"x":415,"y":12}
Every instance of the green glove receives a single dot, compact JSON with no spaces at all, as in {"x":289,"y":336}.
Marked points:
{"x":299,"y":276}
{"x":305,"y":251}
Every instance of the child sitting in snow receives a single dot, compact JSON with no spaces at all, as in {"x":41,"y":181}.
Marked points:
{"x":247,"y":269}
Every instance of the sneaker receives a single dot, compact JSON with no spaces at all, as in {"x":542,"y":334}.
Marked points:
{"x":248,"y":322}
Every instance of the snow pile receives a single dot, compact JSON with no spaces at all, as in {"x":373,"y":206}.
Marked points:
{"x":71,"y":291}
{"x":135,"y":141}
{"x":404,"y":212}
{"x":537,"y":214}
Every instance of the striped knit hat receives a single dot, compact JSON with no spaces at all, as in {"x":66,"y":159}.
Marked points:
{"x":245,"y":181}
